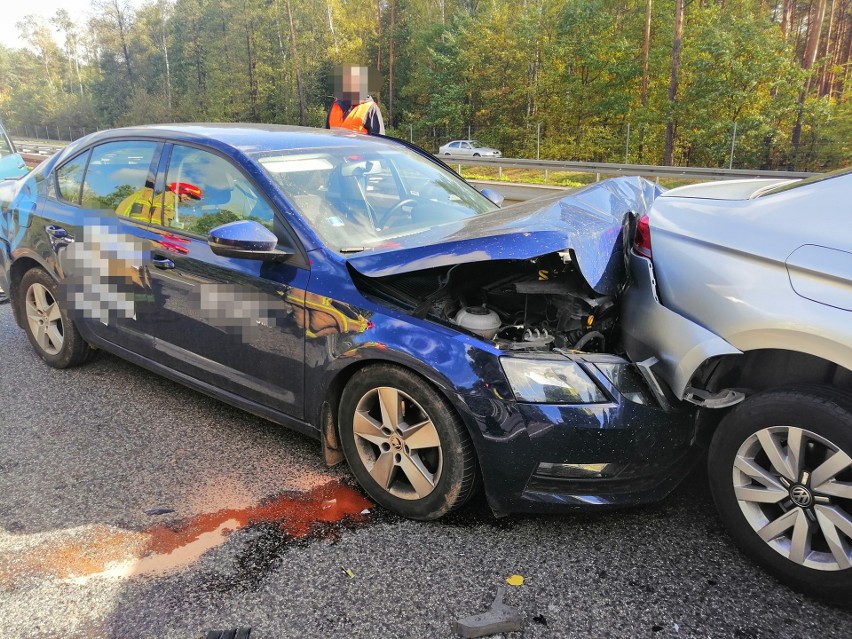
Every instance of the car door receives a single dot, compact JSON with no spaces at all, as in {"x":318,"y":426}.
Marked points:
{"x":465,"y":148}
{"x":230,"y":322}
{"x":79,"y":234}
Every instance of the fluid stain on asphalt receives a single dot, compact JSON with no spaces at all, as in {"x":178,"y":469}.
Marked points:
{"x":103,"y":551}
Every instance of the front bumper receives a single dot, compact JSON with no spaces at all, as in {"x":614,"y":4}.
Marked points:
{"x":646,"y":450}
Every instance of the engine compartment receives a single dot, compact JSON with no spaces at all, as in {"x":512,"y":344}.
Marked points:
{"x":519,"y":305}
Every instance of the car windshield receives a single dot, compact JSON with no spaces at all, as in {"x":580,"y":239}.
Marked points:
{"x":356,"y":199}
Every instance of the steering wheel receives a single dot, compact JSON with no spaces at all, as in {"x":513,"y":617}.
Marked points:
{"x":396,"y":211}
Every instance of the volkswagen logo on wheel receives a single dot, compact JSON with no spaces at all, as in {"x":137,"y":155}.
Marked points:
{"x":801,"y":496}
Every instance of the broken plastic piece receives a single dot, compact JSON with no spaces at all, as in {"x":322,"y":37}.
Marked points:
{"x":349,"y":573}
{"x":236,"y":633}
{"x":724,"y":398}
{"x":515,"y":580}
{"x":498,"y":618}
{"x":366,"y":511}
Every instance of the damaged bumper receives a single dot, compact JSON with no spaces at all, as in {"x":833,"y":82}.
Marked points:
{"x":616,"y":448}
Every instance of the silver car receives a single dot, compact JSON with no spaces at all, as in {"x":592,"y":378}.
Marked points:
{"x":741,"y":302}
{"x":470,"y":148}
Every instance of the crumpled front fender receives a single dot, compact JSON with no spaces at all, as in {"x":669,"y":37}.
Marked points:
{"x":649,"y":329}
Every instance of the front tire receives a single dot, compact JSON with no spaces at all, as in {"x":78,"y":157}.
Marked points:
{"x":780,"y":470}
{"x":405,"y":444}
{"x":47,"y":323}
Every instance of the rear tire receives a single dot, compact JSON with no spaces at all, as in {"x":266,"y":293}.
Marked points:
{"x":405,"y":444}
{"x":46,"y":321}
{"x":780,"y":470}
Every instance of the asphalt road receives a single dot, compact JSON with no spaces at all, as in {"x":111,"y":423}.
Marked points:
{"x":245,"y":526}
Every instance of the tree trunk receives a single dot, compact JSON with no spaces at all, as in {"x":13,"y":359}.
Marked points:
{"x":827,"y":53}
{"x":331,"y":24}
{"x":252,"y":74}
{"x":646,"y":52}
{"x":392,"y":33}
{"x":303,"y":109}
{"x":787,"y":18}
{"x":164,"y":39}
{"x":815,"y":21}
{"x":670,"y":124}
{"x":121,"y":23}
{"x":379,"y":36}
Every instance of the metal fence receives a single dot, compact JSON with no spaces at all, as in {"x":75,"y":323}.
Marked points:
{"x":746,"y":144}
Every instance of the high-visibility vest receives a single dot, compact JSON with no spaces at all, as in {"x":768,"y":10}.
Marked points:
{"x":335,"y":116}
{"x":353,"y":120}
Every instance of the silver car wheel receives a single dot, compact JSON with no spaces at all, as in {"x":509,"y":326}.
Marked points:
{"x":397,"y":443}
{"x":45,"y":319}
{"x":794,"y":488}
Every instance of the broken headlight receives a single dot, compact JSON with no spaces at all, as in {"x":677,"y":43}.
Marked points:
{"x":540,"y":381}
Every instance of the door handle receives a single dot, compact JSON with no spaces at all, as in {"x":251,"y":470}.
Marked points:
{"x":56,"y":231}
{"x":163,"y":263}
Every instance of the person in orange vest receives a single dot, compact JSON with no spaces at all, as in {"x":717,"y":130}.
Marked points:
{"x":353,"y":108}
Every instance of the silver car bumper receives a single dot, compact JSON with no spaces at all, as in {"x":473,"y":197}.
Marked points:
{"x":649,"y":329}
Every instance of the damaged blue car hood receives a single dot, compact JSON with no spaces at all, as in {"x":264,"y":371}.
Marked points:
{"x":587,"y":222}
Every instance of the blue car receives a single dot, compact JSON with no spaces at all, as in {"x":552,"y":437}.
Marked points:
{"x":12,"y":165}
{"x":359,"y":291}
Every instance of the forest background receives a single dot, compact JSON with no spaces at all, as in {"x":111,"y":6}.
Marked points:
{"x":640,"y":81}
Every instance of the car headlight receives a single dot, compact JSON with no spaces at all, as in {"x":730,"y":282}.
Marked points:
{"x":551,"y":382}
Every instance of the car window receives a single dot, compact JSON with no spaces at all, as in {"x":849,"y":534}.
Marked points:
{"x":119,"y":178}
{"x":5,"y":146}
{"x":204,"y":190}
{"x":454,"y":145}
{"x":465,"y":145}
{"x":69,"y":178}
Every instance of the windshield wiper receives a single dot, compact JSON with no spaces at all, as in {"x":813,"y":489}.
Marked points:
{"x":353,"y":249}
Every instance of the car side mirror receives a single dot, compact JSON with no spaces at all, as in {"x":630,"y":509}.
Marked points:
{"x":248,"y":240}
{"x":494,"y":196}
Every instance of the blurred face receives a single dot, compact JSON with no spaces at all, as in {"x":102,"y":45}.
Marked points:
{"x":353,"y":84}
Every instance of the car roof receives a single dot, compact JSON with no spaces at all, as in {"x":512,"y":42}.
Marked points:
{"x":248,"y":138}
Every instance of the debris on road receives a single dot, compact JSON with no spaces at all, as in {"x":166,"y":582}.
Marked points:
{"x":515,"y":580}
{"x":349,"y":573}
{"x":498,"y":618}
{"x":158,"y":511}
{"x":236,"y":633}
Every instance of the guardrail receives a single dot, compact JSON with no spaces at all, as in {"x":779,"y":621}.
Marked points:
{"x":599,"y":168}
{"x":645,"y":170}
{"x":35,"y":148}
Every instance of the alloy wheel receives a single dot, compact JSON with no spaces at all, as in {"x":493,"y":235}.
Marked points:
{"x":794,"y":488}
{"x":45,"y":319}
{"x":398,"y":443}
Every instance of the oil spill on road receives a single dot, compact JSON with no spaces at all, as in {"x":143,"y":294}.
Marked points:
{"x":98,"y":551}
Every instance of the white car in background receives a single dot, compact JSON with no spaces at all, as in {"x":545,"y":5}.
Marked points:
{"x":470,"y":148}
